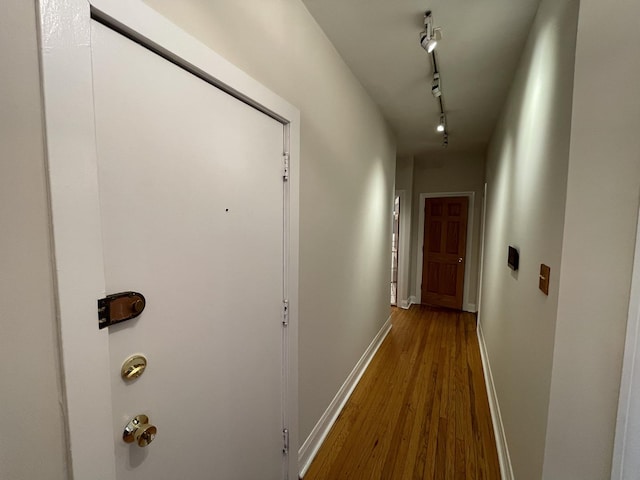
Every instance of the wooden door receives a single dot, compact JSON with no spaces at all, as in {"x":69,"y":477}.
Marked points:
{"x":191,"y":200}
{"x":445,"y":240}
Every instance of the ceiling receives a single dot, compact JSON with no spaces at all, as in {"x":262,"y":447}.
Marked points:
{"x":481,"y":44}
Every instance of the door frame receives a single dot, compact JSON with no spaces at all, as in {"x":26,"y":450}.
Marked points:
{"x":627,"y":436}
{"x":396,"y":195}
{"x":67,"y":87}
{"x":483,"y":224}
{"x":404,"y":245}
{"x":466,"y":306}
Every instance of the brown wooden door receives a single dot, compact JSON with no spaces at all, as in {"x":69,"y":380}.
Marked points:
{"x":445,"y":240}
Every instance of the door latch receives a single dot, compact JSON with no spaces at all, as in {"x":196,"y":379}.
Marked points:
{"x":139,"y":431}
{"x":119,"y":307}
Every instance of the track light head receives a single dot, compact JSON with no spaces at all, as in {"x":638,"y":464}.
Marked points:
{"x":442,"y":124}
{"x":427,"y":42}
{"x":435,"y":85}
{"x":428,"y":39}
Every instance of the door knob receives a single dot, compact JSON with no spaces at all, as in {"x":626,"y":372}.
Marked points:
{"x":139,"y":430}
{"x":459,"y":259}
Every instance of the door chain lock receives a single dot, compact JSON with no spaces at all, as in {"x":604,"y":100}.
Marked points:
{"x":119,"y":307}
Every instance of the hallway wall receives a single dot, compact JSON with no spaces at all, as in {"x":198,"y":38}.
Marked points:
{"x":346,"y":185}
{"x":32,"y":438}
{"x":448,"y":171}
{"x":599,"y":239}
{"x":526,"y":177}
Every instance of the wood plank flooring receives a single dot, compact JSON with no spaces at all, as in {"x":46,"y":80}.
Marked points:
{"x":420,"y":410}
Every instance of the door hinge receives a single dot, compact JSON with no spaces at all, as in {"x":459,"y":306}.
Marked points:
{"x":285,"y":441}
{"x":285,"y":313}
{"x":285,"y":171}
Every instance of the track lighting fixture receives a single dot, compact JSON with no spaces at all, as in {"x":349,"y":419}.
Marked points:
{"x":429,"y":36}
{"x":428,"y":40}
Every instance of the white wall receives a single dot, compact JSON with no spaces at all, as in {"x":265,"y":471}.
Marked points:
{"x":346,"y":186}
{"x":599,"y":239}
{"x":442,"y":172}
{"x":404,"y":174}
{"x":526,"y":176}
{"x":32,"y":440}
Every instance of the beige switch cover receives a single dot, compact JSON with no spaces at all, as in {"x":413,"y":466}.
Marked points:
{"x":545,"y":270}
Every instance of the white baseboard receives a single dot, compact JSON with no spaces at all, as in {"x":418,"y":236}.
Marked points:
{"x":470,"y":307}
{"x":312,"y":444}
{"x":506,"y":471}
{"x":406,"y":304}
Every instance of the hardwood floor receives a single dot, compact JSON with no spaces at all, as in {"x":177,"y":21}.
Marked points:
{"x":420,"y":410}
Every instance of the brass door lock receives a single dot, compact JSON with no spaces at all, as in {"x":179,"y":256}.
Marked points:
{"x":139,"y":430}
{"x":133,"y":367}
{"x":119,"y":307}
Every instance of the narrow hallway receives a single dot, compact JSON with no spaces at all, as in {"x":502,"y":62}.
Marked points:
{"x":420,"y":410}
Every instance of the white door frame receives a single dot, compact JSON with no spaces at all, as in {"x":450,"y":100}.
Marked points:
{"x":404,"y":229}
{"x":483,"y":224}
{"x":627,"y":439}
{"x":71,"y":155}
{"x":466,"y":306}
{"x":393,"y":210}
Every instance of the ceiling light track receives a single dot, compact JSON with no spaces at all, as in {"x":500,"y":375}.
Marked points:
{"x":429,"y":39}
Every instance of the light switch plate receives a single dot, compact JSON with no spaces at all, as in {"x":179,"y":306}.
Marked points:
{"x":543,"y":285}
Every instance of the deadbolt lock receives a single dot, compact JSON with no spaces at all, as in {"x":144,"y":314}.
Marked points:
{"x":140,"y":431}
{"x":133,"y":367}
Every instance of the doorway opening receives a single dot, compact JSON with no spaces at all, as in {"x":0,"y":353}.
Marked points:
{"x":395,"y":242}
{"x":446,"y":275}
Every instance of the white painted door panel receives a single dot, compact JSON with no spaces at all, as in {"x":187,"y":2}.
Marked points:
{"x":191,"y":198}
{"x":626,"y":461}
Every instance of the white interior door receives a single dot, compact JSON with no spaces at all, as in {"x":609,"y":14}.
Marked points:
{"x":191,"y":198}
{"x":626,"y":461}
